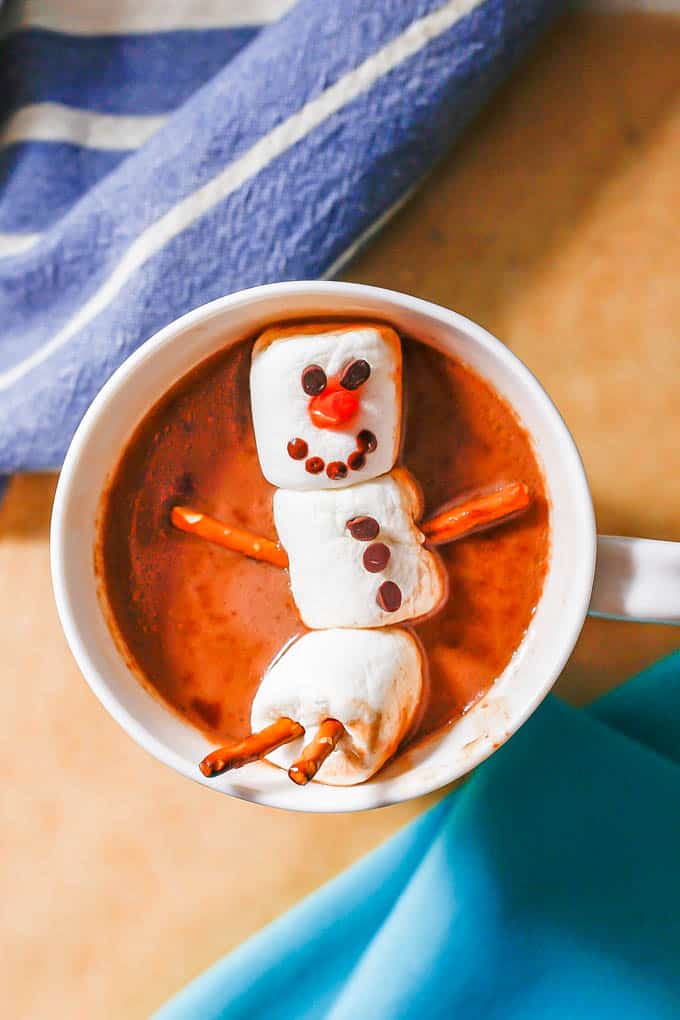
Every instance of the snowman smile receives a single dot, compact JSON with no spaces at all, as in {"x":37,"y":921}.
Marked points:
{"x":366,"y":444}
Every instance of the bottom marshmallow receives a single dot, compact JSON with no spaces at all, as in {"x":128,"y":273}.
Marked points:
{"x":369,"y":680}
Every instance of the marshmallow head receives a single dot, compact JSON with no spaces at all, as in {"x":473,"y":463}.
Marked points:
{"x":326,"y":403}
{"x":356,"y":556}
{"x":369,"y":680}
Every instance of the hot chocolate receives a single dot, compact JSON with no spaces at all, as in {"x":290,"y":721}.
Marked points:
{"x":415,"y":635}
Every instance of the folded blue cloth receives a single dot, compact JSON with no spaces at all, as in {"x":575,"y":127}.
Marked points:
{"x":154,"y":159}
{"x":547,"y":887}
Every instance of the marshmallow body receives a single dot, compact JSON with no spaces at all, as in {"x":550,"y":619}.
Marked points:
{"x":281,"y":406}
{"x":369,"y":680}
{"x":333,"y":574}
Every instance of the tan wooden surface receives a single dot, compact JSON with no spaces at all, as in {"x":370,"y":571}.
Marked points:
{"x":555,"y":225}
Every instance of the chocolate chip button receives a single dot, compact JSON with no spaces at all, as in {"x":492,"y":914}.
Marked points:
{"x":297,"y":449}
{"x":376,"y":558}
{"x":336,"y":469}
{"x":389,"y":596}
{"x":364,"y":529}
{"x":366,"y":441}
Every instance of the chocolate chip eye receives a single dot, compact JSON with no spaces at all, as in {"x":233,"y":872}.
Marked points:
{"x":356,"y":374}
{"x":313,"y":380}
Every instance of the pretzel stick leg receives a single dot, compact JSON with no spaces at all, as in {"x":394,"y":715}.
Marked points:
{"x":236,"y":539}
{"x":252,"y":748}
{"x":477,"y":513}
{"x":316,"y":752}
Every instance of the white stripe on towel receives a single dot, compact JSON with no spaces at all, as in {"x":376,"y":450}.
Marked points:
{"x":104,"y":17}
{"x":14,"y":244}
{"x":263,"y":152}
{"x":54,"y":122}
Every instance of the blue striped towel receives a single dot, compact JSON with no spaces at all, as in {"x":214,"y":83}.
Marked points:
{"x":156,"y":155}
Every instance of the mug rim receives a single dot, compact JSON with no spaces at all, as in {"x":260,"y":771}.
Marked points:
{"x":107,"y":397}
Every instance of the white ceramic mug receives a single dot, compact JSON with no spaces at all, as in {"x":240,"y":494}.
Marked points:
{"x":635,"y":578}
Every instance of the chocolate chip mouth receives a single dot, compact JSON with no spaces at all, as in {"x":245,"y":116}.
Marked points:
{"x":366,"y":444}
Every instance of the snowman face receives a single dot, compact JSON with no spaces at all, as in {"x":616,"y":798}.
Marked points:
{"x":356,"y":556}
{"x":326,"y":403}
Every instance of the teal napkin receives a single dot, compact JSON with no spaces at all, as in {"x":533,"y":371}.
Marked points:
{"x":547,"y":887}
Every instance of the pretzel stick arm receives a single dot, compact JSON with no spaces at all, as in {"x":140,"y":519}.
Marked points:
{"x":237,"y":539}
{"x":477,"y":513}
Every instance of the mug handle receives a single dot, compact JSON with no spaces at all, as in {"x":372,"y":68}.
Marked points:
{"x":636,"y":579}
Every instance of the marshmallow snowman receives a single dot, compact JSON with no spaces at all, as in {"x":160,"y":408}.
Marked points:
{"x":326,"y":404}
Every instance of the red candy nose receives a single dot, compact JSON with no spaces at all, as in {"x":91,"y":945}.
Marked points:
{"x":333,"y":408}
